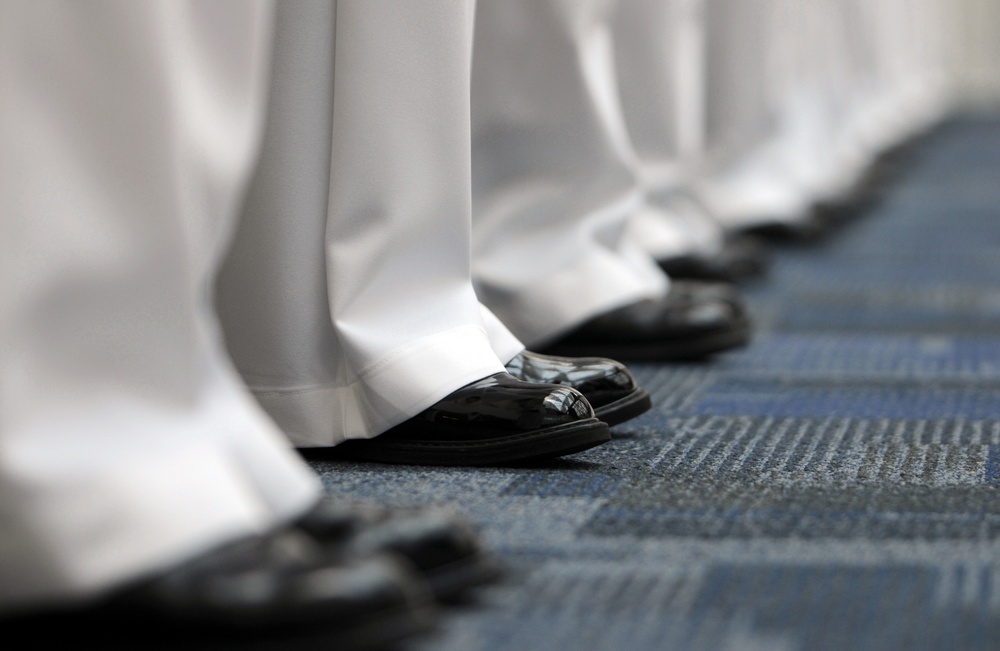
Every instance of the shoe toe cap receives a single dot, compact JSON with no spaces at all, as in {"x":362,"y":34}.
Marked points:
{"x":564,"y":404}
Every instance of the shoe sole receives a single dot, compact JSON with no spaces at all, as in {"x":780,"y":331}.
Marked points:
{"x":382,"y":629}
{"x":685,"y":350}
{"x":531,"y":446}
{"x":634,"y":404}
{"x":372,"y":633}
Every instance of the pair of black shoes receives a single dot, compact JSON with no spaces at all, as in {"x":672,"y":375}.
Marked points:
{"x":548,"y":406}
{"x":692,"y":322}
{"x":541,"y":408}
{"x":343,"y":577}
{"x":742,"y":258}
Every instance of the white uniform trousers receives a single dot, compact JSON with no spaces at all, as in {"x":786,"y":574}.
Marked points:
{"x":658,"y":57}
{"x":127,"y":443}
{"x":902,"y":84}
{"x":978,"y":57}
{"x":805,"y":71}
{"x":554,"y":177}
{"x":743,"y":181}
{"x":842,"y":80}
{"x":347,"y":299}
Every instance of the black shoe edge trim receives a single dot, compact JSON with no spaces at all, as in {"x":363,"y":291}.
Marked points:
{"x":111,"y":627}
{"x":546,"y":443}
{"x":626,"y":408}
{"x":683,"y":349}
{"x":451,"y":582}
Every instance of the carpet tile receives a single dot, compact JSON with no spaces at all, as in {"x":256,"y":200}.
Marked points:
{"x":835,"y":485}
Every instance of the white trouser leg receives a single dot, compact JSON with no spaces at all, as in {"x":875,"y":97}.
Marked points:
{"x":127,"y":444}
{"x":347,"y":298}
{"x":654,"y":57}
{"x":502,"y":340}
{"x":553,"y":171}
{"x":808,"y":107}
{"x":743,"y":183}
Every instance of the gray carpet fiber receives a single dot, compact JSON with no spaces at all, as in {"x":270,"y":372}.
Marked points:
{"x":832,"y":486}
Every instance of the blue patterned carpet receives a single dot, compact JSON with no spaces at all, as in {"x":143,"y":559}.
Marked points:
{"x":834,"y":486}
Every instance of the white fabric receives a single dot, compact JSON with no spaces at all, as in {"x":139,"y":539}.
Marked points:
{"x":978,"y":57}
{"x":656,"y":45}
{"x":902,"y":84}
{"x":127,"y":131}
{"x":503,"y":342}
{"x":803,"y":146}
{"x":802,"y":96}
{"x":347,"y":298}
{"x":805,"y":70}
{"x":741,"y":184}
{"x":554,"y":177}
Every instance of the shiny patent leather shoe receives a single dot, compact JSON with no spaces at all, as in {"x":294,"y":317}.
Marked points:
{"x":812,"y":228}
{"x":742,"y":257}
{"x":280,"y":591}
{"x":438,"y":543}
{"x":608,"y":385}
{"x":497,"y":420}
{"x":864,"y":196}
{"x":692,"y":321}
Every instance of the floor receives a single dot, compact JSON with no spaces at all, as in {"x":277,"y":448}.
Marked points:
{"x":832,"y":486}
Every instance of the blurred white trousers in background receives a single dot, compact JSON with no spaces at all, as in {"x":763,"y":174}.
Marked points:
{"x":347,"y":300}
{"x":127,"y":441}
{"x":554,"y":174}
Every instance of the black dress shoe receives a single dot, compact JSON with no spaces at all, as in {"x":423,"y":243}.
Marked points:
{"x":867,"y":192}
{"x":810,"y":229}
{"x":608,"y":385}
{"x":442,"y":546}
{"x":692,"y":321}
{"x":742,"y":257}
{"x":497,"y":420}
{"x":280,"y":591}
